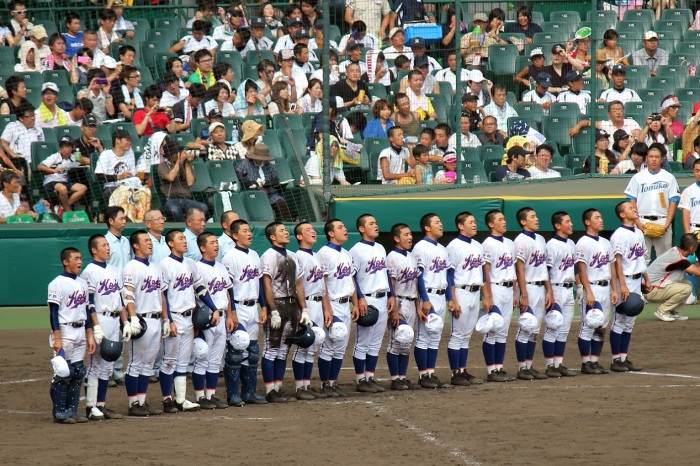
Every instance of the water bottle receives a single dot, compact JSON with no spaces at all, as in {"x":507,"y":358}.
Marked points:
{"x":234,"y":134}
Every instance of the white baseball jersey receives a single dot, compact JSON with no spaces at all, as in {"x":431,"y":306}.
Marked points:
{"x":243,"y":267}
{"x":312,"y":272}
{"x":148,"y":284}
{"x":561,"y":256}
{"x":370,"y":260}
{"x":531,"y":249}
{"x":119,"y":250}
{"x":467,"y":255}
{"x":596,"y":253}
{"x":653,"y":192}
{"x":339,"y":268}
{"x":182,"y":278}
{"x":629,"y":243}
{"x":226,"y":243}
{"x":71,"y":296}
{"x":533,"y":96}
{"x":403,"y":267}
{"x":282,"y":268}
{"x":217,"y":280}
{"x":104,"y":282}
{"x":432,"y":257}
{"x":690,"y":201}
{"x":499,"y":251}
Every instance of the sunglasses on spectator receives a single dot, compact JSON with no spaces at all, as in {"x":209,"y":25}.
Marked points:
{"x":20,"y":12}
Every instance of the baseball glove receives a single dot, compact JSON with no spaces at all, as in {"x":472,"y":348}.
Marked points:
{"x":654,"y":230}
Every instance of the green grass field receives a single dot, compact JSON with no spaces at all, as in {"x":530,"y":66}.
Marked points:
{"x":30,"y":318}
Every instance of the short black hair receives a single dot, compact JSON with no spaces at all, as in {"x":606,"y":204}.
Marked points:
{"x":329,"y":227}
{"x":134,"y":238}
{"x":66,"y":253}
{"x":270,"y":230}
{"x":425,"y":220}
{"x":111,"y":213}
{"x":558,"y":217}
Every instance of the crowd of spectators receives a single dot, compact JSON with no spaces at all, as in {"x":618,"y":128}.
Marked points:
{"x":236,"y":80}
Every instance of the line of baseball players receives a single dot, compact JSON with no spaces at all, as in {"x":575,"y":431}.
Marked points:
{"x":411,"y":290}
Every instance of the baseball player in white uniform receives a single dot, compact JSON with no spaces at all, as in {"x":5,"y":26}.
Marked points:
{"x":403,"y":270}
{"x":690,"y":214}
{"x":243,"y":265}
{"x":433,"y":287}
{"x":226,"y":242}
{"x":205,"y":375}
{"x":596,"y":270}
{"x":499,"y":271}
{"x":561,"y":256}
{"x":182,"y":278}
{"x":317,"y":303}
{"x":534,"y":286}
{"x":467,"y":256}
{"x":105,"y":296}
{"x":655,"y":194}
{"x":71,"y":336}
{"x":627,"y":244}
{"x":373,"y":287}
{"x":284,"y":293}
{"x":339,"y":269}
{"x":143,"y":291}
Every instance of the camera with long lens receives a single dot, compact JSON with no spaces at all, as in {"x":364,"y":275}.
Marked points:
{"x":197,"y":152}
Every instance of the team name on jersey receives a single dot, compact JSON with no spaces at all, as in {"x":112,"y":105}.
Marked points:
{"x":281,"y":275}
{"x":472,"y":262}
{"x":694,"y":202}
{"x":183,"y":282}
{"x":216,"y":284}
{"x":249,"y":273}
{"x":315,"y":274}
{"x":437,"y":265}
{"x":407,"y":275}
{"x":599,"y":260}
{"x":567,"y":262}
{"x":107,"y":287}
{"x":537,"y":259}
{"x":342,"y":270}
{"x":150,"y":285}
{"x":76,"y":298}
{"x":636,"y":251}
{"x":656,"y":185}
{"x":375,"y":265}
{"x":504,"y":261}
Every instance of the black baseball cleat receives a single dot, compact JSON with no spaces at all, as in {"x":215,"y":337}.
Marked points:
{"x":459,"y":379}
{"x":496,"y":376}
{"x":363,"y":386}
{"x":397,"y":384}
{"x":564,"y":371}
{"x":600,"y":368}
{"x":108,"y":413}
{"x":338,"y":391}
{"x":375,"y":385}
{"x":219,"y":404}
{"x":315,"y":393}
{"x":536,"y":374}
{"x":303,"y":395}
{"x":589,"y":368}
{"x":327,"y":389}
{"x":410,"y":385}
{"x":169,"y":406}
{"x":509,"y":378}
{"x":205,"y":404}
{"x":137,"y":410}
{"x":439,"y":384}
{"x":152,"y":411}
{"x":632,"y":366}
{"x":474,"y":380}
{"x":618,"y":366}
{"x":552,"y":372}
{"x":426,"y":381}
{"x":524,"y":374}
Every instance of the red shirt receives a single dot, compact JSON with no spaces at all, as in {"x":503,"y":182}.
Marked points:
{"x":159,"y":120}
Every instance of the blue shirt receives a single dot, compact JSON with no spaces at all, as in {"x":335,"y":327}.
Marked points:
{"x":192,"y":248}
{"x":374,"y":129}
{"x":73,"y":44}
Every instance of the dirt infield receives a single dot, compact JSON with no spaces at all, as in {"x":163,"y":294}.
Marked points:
{"x":644,"y":418}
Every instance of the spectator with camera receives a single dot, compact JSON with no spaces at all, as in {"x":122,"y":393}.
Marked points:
{"x":98,"y":93}
{"x":176,"y":178}
{"x":153,"y":117}
{"x":658,"y":130}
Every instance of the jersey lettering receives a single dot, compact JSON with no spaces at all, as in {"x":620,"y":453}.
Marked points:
{"x":437,"y":265}
{"x":150,"y":285}
{"x":567,"y":262}
{"x":636,"y":251}
{"x":343,"y":270}
{"x":599,"y":260}
{"x":694,"y":202}
{"x":472,"y":262}
{"x":656,"y":185}
{"x":107,"y":287}
{"x":375,"y":265}
{"x":75,"y":299}
{"x":537,"y":258}
{"x":249,"y":273}
{"x":183,"y":282}
{"x":407,"y":275}
{"x":504,"y":261}
{"x":215,"y":285}
{"x":314,"y":275}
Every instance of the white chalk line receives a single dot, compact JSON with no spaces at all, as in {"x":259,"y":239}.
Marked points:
{"x":10,"y":382}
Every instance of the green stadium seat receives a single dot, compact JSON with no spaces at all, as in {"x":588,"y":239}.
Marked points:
{"x":258,"y":206}
{"x":675,"y":166}
{"x":665,"y":82}
{"x":639,"y":111}
{"x":689,"y":93}
{"x":632,"y":29}
{"x":565,"y":16}
{"x":226,"y":200}
{"x":7,"y":57}
{"x":491,"y":152}
{"x":668,"y":25}
{"x":75,"y":216}
{"x":440,"y":105}
{"x":559,"y":26}
{"x":167,"y":23}
{"x":253,"y":58}
{"x":285,"y":172}
{"x":148,"y":50}
{"x":41,"y":150}
{"x":203,"y":182}
{"x":575,"y":161}
{"x":690,"y":35}
{"x":379,"y":90}
{"x":583,"y":144}
{"x":234,"y":59}
{"x":70,"y":131}
{"x":684,"y":15}
{"x":556,"y":130}
{"x":141,"y":25}
{"x":20,"y":219}
{"x":607,"y":17}
{"x":513,"y":36}
{"x":222,"y":173}
{"x":687,"y":51}
{"x":490,"y":166}
{"x":158,"y":199}
{"x":645,"y":18}
{"x":564,"y":172}
{"x":471,"y":154}
{"x":502,"y":59}
{"x":474,"y":172}
{"x":291,"y":121}
{"x":564,"y":109}
{"x":669,"y":39}
{"x":291,"y":146}
{"x":6,"y":120}
{"x":547,"y":39}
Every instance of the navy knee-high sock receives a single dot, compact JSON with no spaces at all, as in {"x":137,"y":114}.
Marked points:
{"x":359,"y":366}
{"x":453,"y":357}
{"x":102,"y":386}
{"x":280,"y":367}
{"x":559,"y":348}
{"x":308,"y":370}
{"x":324,"y":369}
{"x":432,"y":358}
{"x":166,"y":383}
{"x":624,"y":342}
{"x":336,"y":364}
{"x":212,"y":379}
{"x":615,"y":343}
{"x":198,"y":381}
{"x":371,"y":363}
{"x":548,"y":348}
{"x":584,"y":347}
{"x":520,"y":351}
{"x":403,"y":364}
{"x":596,"y":347}
{"x":531,"y":345}
{"x":489,"y":350}
{"x":421,"y":356}
{"x":268,"y":370}
{"x":298,"y":369}
{"x":500,"y":353}
{"x":132,"y":385}
{"x":463,"y":356}
{"x":392,"y":360}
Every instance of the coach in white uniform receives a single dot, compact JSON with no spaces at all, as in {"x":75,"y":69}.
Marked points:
{"x":535,"y":289}
{"x":373,"y":287}
{"x":561,"y":256}
{"x":467,"y":256}
{"x":655,"y":194}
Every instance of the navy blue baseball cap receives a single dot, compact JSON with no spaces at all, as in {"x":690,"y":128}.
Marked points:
{"x":257,"y":22}
{"x":573,"y":75}
{"x":418,"y":42}
{"x":544,"y":79}
{"x":619,"y":69}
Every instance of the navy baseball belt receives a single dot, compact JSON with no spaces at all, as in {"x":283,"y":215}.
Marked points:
{"x":653,"y":217}
{"x":539,"y":283}
{"x":471,"y":288}
{"x":286,"y":299}
{"x":151,"y":315}
{"x":506,"y":284}
{"x":343,"y":299}
{"x":246,"y":302}
{"x":315,"y":298}
{"x":186,"y":313}
{"x":378,"y":294}
{"x":636,"y":276}
{"x":565,"y":284}
{"x":73,"y":324}
{"x":110,"y":314}
{"x":406,"y":298}
{"x":437,"y":291}
{"x":695,"y":225}
{"x":601,"y":283}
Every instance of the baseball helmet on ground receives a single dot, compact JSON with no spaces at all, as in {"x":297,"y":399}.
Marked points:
{"x":338,"y":330}
{"x":594,"y":316}
{"x":632,"y":306}
{"x":304,"y":337}
{"x":404,"y":333}
{"x":200,"y":348}
{"x":239,"y":339}
{"x":201,"y":318}
{"x":528,"y":321}
{"x":492,"y":320}
{"x":110,"y":350}
{"x":554,"y":318}
{"x":434,"y":323}
{"x":370,"y":318}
